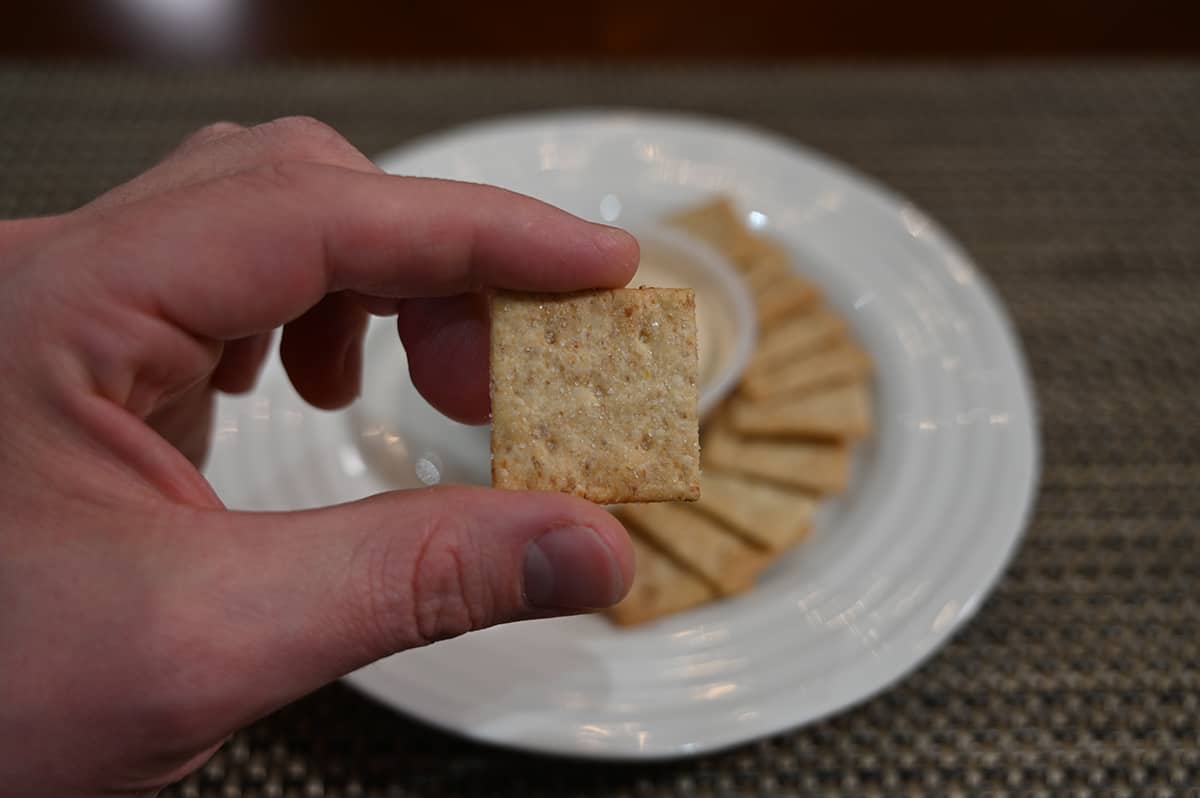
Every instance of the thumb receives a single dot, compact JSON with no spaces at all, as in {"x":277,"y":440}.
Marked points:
{"x":290,"y":601}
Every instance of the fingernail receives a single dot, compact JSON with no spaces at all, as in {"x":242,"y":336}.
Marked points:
{"x":571,"y":568}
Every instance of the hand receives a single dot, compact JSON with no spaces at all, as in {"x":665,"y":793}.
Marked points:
{"x":141,"y":622}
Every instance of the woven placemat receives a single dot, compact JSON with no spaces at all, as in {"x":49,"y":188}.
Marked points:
{"x":1077,"y":190}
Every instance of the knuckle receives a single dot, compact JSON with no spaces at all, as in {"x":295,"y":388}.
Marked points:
{"x":449,"y":590}
{"x":218,"y":129}
{"x":300,"y":125}
{"x":425,"y":588}
{"x":210,"y":132}
{"x":308,"y":138}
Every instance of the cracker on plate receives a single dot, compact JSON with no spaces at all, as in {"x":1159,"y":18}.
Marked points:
{"x":660,"y":588}
{"x":798,"y":336}
{"x":776,"y":287}
{"x":766,"y":266}
{"x":769,"y":516}
{"x":717,"y":224}
{"x":594,"y":393}
{"x":772,"y":450}
{"x":844,"y":362}
{"x":762,"y":261}
{"x":809,"y":465}
{"x":794,"y":294}
{"x":841,"y":412}
{"x":698,"y":543}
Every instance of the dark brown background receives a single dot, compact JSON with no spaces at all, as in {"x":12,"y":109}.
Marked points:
{"x":624,"y":30}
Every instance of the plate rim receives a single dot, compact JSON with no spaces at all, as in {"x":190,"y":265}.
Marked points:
{"x":363,"y":680}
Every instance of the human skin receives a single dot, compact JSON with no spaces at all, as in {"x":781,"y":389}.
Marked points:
{"x":140,"y":621}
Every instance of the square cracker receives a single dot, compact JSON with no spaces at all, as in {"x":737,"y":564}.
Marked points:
{"x":842,"y":412}
{"x":698,"y":543}
{"x":769,"y":516}
{"x":660,"y":588}
{"x":594,"y":393}
{"x":812,"y":466}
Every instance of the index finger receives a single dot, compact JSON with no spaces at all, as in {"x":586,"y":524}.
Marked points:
{"x":244,"y":254}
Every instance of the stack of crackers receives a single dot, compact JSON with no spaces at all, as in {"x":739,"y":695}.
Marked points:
{"x":770,"y":452}
{"x":595,"y":394}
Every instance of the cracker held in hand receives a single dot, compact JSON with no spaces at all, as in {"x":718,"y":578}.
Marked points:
{"x":594,"y":393}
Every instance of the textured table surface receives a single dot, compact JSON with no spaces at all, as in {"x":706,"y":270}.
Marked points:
{"x":1077,"y":189}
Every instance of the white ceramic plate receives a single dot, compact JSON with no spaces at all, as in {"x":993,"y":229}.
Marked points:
{"x":938,"y":502}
